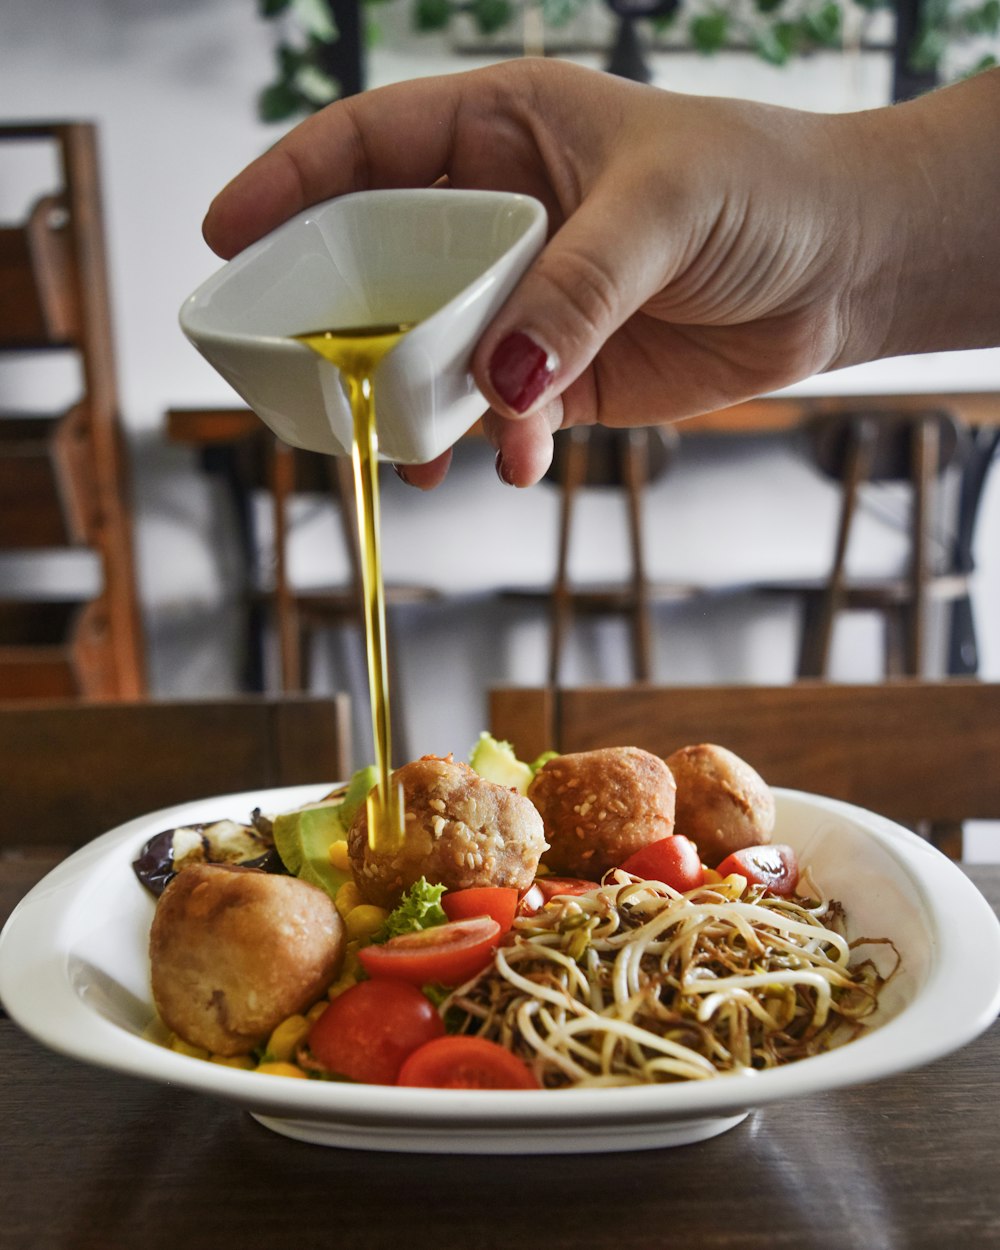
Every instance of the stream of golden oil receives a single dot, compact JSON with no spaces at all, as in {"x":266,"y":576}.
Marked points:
{"x":357,"y":353}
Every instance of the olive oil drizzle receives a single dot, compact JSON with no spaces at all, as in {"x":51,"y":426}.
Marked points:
{"x":357,"y":352}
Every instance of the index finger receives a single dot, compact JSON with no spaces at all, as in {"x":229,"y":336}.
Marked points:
{"x":397,"y":136}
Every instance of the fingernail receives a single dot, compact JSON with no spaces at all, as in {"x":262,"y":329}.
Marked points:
{"x":520,"y":370}
{"x":501,"y":471}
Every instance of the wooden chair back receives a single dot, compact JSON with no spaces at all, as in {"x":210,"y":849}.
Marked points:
{"x":70,"y":770}
{"x":63,"y":475}
{"x":867,"y":446}
{"x":626,"y":461}
{"x":911,"y":750}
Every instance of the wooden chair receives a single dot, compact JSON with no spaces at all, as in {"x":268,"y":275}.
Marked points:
{"x":72,"y":770}
{"x":63,"y":478}
{"x":917,"y":752}
{"x":237,"y":446}
{"x":625,"y":461}
{"x":867,"y":447}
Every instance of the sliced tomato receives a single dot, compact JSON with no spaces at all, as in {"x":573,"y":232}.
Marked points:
{"x":531,"y":901}
{"x":544,"y":888}
{"x":446,"y":953}
{"x":497,"y":901}
{"x":773,"y":866}
{"x":466,"y":1063}
{"x":673,"y":860}
{"x":368,"y":1031}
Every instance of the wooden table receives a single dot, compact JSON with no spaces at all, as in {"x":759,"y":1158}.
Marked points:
{"x":94,"y":1159}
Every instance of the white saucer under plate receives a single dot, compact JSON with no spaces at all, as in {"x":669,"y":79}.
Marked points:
{"x":74,"y":974}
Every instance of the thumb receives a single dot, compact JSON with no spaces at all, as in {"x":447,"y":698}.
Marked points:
{"x":589,"y":279}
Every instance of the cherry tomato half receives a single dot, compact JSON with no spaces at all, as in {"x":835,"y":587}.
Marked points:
{"x":673,"y":860}
{"x":531,"y":901}
{"x":551,"y":886}
{"x":544,"y":888}
{"x":447,"y":953}
{"x":368,"y":1031}
{"x":466,"y":1063}
{"x":500,"y":902}
{"x":774,"y":867}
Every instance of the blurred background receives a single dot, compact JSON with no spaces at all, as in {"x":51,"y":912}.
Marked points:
{"x":738,"y":523}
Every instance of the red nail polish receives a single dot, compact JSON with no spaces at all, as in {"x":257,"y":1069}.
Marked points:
{"x":501,"y":471}
{"x":520,"y":371}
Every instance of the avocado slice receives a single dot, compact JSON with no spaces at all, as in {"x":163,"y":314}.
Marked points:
{"x":497,"y":762}
{"x":302,"y":838}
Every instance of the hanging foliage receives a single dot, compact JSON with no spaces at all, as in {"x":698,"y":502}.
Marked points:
{"x":778,"y":31}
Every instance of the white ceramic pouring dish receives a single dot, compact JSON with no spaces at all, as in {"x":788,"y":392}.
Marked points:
{"x":443,"y":258}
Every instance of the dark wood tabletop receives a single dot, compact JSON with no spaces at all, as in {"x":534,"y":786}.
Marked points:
{"x":94,"y":1159}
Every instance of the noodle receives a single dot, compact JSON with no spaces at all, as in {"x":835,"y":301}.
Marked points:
{"x":634,"y":983}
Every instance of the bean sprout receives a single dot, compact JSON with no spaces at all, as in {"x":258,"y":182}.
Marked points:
{"x":634,"y":983}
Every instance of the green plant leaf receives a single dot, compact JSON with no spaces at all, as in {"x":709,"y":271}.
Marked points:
{"x":928,"y":50}
{"x":431,"y":14}
{"x":558,"y":13}
{"x":316,"y":19}
{"x":768,"y":6}
{"x":984,"y":20}
{"x":316,"y":86}
{"x":709,"y":31}
{"x":290,"y":60}
{"x":823,"y":25}
{"x":491,"y":15}
{"x":272,"y":8}
{"x":775,"y":45}
{"x":278,"y":102}
{"x":988,"y":61}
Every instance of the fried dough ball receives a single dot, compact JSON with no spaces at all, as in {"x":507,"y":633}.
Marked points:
{"x":601,"y":806}
{"x":461,"y":831}
{"x":234,"y":951}
{"x":723,"y":804}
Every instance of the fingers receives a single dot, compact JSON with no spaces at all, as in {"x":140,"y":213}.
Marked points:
{"x":589,"y":280}
{"x":524,"y":447}
{"x":425,"y":476}
{"x":397,"y":136}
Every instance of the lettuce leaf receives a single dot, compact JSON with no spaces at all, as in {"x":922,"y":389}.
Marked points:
{"x":419,"y":908}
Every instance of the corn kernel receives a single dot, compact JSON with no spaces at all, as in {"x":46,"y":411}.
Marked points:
{"x":345,"y":981}
{"x":348,"y":897}
{"x":338,"y":855}
{"x":234,"y":1061}
{"x":287,"y":1037}
{"x":365,"y":920}
{"x":185,"y":1048}
{"x":282,"y":1069}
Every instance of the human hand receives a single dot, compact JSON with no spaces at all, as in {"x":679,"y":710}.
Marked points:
{"x":701,"y":251}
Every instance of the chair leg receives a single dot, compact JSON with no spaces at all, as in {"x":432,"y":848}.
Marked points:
{"x":811,"y":660}
{"x":636,"y":454}
{"x":897,"y":632}
{"x":282,"y":487}
{"x":947,"y":836}
{"x":819,"y":618}
{"x":925,"y":457}
{"x":561,"y":603}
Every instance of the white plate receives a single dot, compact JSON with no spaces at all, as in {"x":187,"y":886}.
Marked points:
{"x":73,"y":973}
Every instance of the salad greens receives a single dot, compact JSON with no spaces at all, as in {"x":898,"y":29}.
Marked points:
{"x":419,"y":908}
